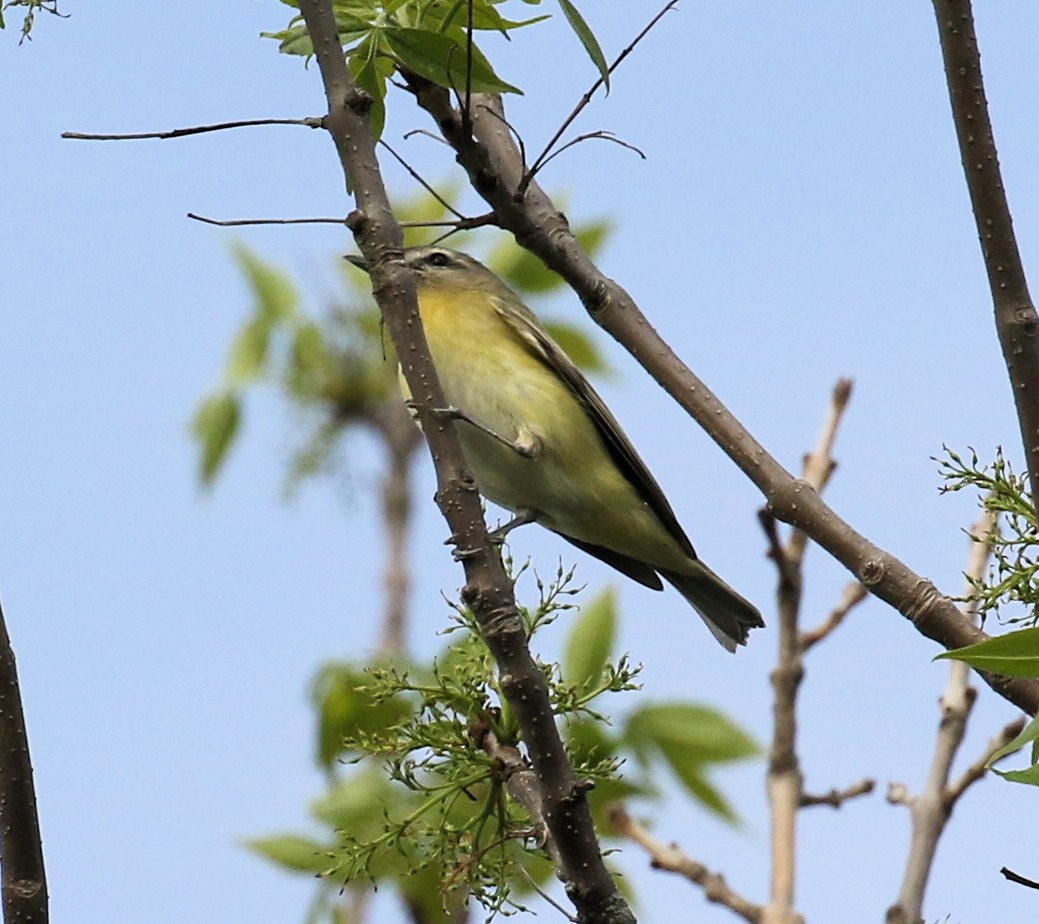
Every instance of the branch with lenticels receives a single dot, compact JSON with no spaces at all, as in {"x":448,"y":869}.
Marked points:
{"x":495,"y":166}
{"x":488,"y":590}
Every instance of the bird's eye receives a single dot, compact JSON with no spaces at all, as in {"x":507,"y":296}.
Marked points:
{"x":437,"y":258}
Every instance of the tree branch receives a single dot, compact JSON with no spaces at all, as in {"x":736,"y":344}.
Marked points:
{"x":672,"y":859}
{"x":309,"y":122}
{"x":929,"y":811}
{"x":495,"y":167}
{"x":1017,"y":323}
{"x":785,"y":781}
{"x":488,"y":590}
{"x":24,"y":896}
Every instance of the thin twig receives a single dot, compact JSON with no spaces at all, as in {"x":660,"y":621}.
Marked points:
{"x":852,"y":595}
{"x":955,"y":790}
{"x":240,"y":222}
{"x":309,"y":122}
{"x":600,"y":135}
{"x":837,"y":797}
{"x":418,"y":179}
{"x":24,"y":893}
{"x":1019,"y":879}
{"x":819,"y":464}
{"x":542,"y":158}
{"x":461,"y":224}
{"x":672,"y":859}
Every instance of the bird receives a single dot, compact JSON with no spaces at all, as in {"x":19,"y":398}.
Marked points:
{"x":543,"y":444}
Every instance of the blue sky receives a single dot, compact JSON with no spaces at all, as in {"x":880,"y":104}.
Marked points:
{"x":801,"y":215}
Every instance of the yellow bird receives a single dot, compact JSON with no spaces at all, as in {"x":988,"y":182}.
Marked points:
{"x":542,"y":443}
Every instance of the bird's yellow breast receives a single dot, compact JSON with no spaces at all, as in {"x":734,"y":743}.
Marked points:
{"x":491,"y":374}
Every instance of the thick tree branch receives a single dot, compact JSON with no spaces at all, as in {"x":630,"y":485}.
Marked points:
{"x":488,"y":590}
{"x":24,"y":897}
{"x":1016,"y":320}
{"x":495,"y":166}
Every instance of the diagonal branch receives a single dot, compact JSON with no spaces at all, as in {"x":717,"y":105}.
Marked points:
{"x":493,"y":162}
{"x":1016,"y":320}
{"x":488,"y":591}
{"x":24,"y":896}
{"x":672,"y":859}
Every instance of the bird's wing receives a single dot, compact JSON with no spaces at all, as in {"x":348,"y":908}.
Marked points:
{"x":541,"y":345}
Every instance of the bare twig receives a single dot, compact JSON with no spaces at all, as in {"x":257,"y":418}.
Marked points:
{"x":546,"y":154}
{"x":835,"y":798}
{"x":819,"y":464}
{"x":24,"y":895}
{"x":419,"y":179}
{"x":240,"y":222}
{"x":929,"y":811}
{"x":977,"y":770}
{"x":460,"y":224}
{"x":1019,"y":879}
{"x":309,"y":122}
{"x":1016,"y":319}
{"x":672,"y":859}
{"x":785,"y":781}
{"x":852,"y":595}
{"x":488,"y":591}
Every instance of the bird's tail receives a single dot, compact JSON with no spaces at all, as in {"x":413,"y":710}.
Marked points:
{"x":728,"y":615}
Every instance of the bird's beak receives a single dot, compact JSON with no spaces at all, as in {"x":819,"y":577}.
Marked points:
{"x":357,"y":260}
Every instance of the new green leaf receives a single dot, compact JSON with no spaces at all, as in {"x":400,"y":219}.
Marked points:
{"x":1015,"y":654}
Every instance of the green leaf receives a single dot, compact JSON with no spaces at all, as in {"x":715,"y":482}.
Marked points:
{"x":356,"y":804}
{"x":588,"y":40}
{"x":364,"y":65}
{"x":214,"y":426}
{"x":702,"y":734}
{"x":1029,"y":735}
{"x":690,"y":774}
{"x":442,"y":59}
{"x":1029,"y":776}
{"x":578,"y":346}
{"x":275,"y":295}
{"x":485,"y":16}
{"x":290,"y":851}
{"x":1015,"y":654}
{"x":346,"y":710}
{"x":249,"y":352}
{"x":591,"y":640}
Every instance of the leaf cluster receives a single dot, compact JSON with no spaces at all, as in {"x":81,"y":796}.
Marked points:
{"x":31,"y":7}
{"x":431,"y":38}
{"x":1015,"y":654}
{"x":425,"y":798}
{"x":1014,"y":575}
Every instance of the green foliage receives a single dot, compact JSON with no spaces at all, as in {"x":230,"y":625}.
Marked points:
{"x":1029,"y":736}
{"x":431,"y":38}
{"x":415,"y":791}
{"x":1014,"y":577}
{"x":340,"y":371}
{"x":31,"y":7}
{"x":1015,"y":654}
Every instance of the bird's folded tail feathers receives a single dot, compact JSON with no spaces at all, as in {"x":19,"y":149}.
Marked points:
{"x":728,"y":615}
